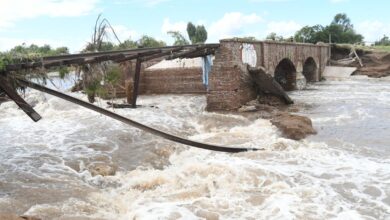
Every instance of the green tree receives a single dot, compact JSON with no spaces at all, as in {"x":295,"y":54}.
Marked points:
{"x":342,"y":20}
{"x":310,"y":34}
{"x":384,"y":41}
{"x":62,"y":50}
{"x":191,"y":31}
{"x":45,"y":49}
{"x":196,"y":34}
{"x":340,"y":29}
{"x":340,"y":35}
{"x":127,"y":44}
{"x":147,"y":41}
{"x":101,"y":46}
{"x":201,"y":34}
{"x":35,"y":50}
{"x":179,"y":38}
{"x":273,"y":36}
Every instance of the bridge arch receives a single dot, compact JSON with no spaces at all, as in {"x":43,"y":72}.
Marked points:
{"x":310,"y":69}
{"x":285,"y":74}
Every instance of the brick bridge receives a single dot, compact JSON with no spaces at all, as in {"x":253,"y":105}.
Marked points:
{"x":288,"y":63}
{"x":229,"y":85}
{"x":230,"y":82}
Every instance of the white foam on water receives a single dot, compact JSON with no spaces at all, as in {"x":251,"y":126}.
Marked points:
{"x":323,"y":177}
{"x":306,"y":180}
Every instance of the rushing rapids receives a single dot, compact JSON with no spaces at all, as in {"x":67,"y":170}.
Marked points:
{"x":343,"y":172}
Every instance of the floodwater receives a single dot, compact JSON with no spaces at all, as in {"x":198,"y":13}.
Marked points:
{"x":341,"y":173}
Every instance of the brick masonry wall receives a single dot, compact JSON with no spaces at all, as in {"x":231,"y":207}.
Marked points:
{"x":172,"y":81}
{"x":227,"y":88}
{"x":159,"y":81}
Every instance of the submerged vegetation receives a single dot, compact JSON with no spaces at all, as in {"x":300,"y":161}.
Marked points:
{"x":94,"y":77}
{"x":101,"y":78}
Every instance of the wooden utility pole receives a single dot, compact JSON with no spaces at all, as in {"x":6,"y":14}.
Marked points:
{"x":136,"y":82}
{"x":5,"y":86}
{"x":330,"y":47}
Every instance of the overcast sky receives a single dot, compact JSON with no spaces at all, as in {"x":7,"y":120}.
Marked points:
{"x":70,"y":22}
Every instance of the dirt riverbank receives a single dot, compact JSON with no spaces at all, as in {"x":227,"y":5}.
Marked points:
{"x":376,"y":64}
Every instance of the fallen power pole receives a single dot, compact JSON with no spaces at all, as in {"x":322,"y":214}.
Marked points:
{"x":131,"y":122}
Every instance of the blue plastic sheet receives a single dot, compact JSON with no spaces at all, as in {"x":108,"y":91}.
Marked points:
{"x":206,"y":67}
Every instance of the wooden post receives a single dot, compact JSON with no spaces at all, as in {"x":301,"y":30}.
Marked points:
{"x":136,"y":82}
{"x":12,"y":94}
{"x":357,"y":57}
{"x":128,"y":67}
{"x":129,"y":90}
{"x":330,"y":48}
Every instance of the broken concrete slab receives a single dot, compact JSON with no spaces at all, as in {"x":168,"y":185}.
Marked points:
{"x":337,"y":72}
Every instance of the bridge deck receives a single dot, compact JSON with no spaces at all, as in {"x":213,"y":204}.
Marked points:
{"x":144,"y":54}
{"x":140,"y":55}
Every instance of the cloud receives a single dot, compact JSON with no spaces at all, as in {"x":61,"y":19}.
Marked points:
{"x":12,"y":11}
{"x":372,"y":30}
{"x":125,"y":33}
{"x":148,"y":3}
{"x":338,"y":1}
{"x":154,"y":2}
{"x":180,"y":26}
{"x":234,"y":24}
{"x":272,"y":1}
{"x":284,"y":28}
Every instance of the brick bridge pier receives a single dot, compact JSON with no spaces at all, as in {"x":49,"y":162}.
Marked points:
{"x":288,"y":63}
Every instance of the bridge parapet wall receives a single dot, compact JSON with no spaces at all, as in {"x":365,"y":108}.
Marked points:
{"x":229,"y":84}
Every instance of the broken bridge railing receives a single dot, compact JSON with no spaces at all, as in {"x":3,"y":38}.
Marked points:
{"x":140,"y":55}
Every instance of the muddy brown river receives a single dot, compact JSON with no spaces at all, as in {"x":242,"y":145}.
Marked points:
{"x":343,"y":172}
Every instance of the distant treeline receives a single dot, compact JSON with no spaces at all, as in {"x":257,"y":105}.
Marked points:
{"x":30,"y":53}
{"x":340,"y":30}
{"x":385,"y":41}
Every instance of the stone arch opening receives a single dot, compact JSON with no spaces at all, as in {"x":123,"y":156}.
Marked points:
{"x":310,"y":69}
{"x":285,"y":74}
